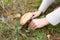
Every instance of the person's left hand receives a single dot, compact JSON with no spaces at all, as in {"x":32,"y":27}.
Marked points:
{"x":37,"y":23}
{"x":36,"y":14}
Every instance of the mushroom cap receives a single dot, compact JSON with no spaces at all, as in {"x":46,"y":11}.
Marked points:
{"x":25,"y":18}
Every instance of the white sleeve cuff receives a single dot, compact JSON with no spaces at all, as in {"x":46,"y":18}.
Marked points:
{"x":54,"y":17}
{"x":45,"y":4}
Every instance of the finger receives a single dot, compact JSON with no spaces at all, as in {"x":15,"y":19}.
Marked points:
{"x":30,"y":25}
{"x":36,"y":26}
{"x":33,"y":27}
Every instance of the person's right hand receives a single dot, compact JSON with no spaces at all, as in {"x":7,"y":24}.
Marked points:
{"x":36,"y":14}
{"x":37,"y":23}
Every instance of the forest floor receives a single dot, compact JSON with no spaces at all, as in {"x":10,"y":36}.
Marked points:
{"x":10,"y":28}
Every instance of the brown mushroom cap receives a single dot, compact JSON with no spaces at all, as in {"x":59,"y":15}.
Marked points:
{"x":25,"y":18}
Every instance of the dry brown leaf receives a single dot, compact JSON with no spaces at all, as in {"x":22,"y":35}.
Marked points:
{"x":10,"y":12}
{"x":25,"y":18}
{"x":17,"y":16}
{"x":48,"y":36}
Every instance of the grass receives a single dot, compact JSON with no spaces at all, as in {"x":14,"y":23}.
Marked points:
{"x":10,"y":29}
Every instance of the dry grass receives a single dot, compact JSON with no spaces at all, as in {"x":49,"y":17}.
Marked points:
{"x":10,"y":29}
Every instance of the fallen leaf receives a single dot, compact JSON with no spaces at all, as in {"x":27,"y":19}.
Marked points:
{"x":9,"y":12}
{"x":48,"y":36}
{"x":16,"y":16}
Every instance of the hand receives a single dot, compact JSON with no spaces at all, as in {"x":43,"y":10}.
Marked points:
{"x":36,"y":14}
{"x":37,"y":23}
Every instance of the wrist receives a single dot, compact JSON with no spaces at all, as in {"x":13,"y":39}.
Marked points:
{"x":39,"y":11}
{"x":46,"y":21}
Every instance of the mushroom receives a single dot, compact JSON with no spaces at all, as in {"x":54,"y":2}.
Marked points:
{"x":25,"y":18}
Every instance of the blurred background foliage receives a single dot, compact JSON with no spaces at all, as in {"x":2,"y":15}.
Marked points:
{"x":10,"y":29}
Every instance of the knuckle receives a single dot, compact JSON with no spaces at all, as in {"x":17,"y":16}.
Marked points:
{"x":36,"y":25}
